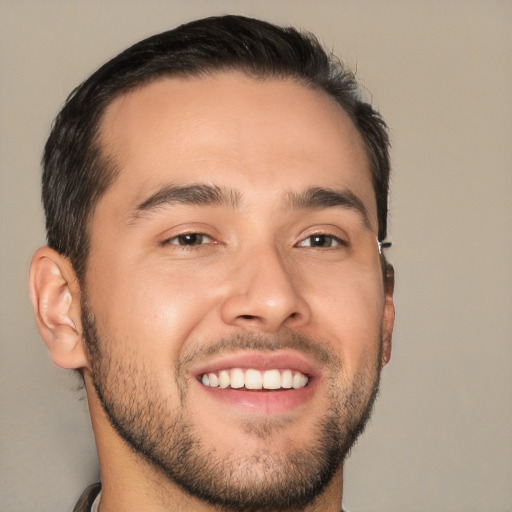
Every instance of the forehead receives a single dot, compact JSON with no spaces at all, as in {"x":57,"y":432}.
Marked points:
{"x":231,"y":130}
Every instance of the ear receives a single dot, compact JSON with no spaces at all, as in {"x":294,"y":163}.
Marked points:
{"x":55,"y":295}
{"x":389,"y":313}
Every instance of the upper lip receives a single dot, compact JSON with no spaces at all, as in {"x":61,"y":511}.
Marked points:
{"x":260,"y":360}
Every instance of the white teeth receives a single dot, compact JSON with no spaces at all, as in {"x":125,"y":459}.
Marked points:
{"x":299,"y":380}
{"x":224,"y":379}
{"x":253,"y":379}
{"x":286,"y":379}
{"x":237,"y":378}
{"x":272,"y":379}
{"x":214,"y":380}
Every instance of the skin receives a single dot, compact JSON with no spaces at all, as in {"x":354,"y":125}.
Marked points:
{"x":158,"y":304}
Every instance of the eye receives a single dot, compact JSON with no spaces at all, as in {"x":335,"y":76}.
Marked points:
{"x":190,"y":240}
{"x":321,"y":241}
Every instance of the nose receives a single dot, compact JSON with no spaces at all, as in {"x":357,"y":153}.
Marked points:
{"x":264,"y":295}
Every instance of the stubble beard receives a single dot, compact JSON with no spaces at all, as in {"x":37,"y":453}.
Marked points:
{"x":172,"y":444}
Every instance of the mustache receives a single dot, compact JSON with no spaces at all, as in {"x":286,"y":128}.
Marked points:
{"x":285,"y":339}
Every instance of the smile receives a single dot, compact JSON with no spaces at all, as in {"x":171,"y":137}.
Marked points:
{"x":252,"y":379}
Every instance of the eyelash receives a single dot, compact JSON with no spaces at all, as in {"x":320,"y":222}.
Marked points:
{"x":182,"y":236}
{"x":176,"y":240}
{"x":333,"y":238}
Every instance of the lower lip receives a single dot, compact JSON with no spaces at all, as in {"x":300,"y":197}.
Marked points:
{"x":262,"y":401}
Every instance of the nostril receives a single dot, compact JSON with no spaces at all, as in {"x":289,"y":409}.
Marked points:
{"x":255,"y":317}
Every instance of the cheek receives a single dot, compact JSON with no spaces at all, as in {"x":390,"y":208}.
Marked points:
{"x":349,"y":314}
{"x":152,"y":312}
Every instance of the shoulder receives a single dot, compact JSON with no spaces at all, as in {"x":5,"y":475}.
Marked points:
{"x":86,"y":500}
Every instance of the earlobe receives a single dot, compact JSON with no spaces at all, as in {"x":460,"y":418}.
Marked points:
{"x":389,"y":313}
{"x":55,"y":296}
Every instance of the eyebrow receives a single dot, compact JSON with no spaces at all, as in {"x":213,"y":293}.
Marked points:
{"x":194,"y":194}
{"x":315,"y":198}
{"x":318,"y":198}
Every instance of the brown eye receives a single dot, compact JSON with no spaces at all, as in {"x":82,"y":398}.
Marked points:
{"x":190,"y":239}
{"x":321,"y":241}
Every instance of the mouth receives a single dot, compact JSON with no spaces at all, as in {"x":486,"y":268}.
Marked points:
{"x":268,"y":383}
{"x":255,"y":380}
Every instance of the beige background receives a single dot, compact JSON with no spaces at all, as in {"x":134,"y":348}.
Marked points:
{"x":441,"y":73}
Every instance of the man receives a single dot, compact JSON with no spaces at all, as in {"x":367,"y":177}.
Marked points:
{"x":216,"y":201}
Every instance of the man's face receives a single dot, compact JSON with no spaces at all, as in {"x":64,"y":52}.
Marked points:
{"x":235,"y":250}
